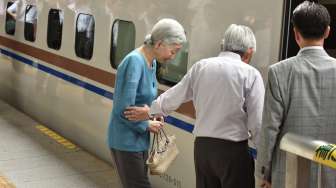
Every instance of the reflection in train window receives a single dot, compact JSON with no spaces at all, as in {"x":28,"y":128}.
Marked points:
{"x":122,"y":41}
{"x":85,"y":27}
{"x":55,"y":25}
{"x":30,"y":23}
{"x":11,"y":17}
{"x":330,"y":44}
{"x":172,"y":72}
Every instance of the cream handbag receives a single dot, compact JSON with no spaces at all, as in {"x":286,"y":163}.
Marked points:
{"x":163,"y":152}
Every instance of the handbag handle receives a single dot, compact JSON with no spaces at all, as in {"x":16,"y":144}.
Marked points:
{"x":155,"y":142}
{"x":164,"y":133}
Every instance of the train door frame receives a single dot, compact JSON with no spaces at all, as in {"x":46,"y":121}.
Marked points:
{"x":288,"y":47}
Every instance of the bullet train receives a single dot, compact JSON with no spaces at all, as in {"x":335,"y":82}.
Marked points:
{"x":58,"y":59}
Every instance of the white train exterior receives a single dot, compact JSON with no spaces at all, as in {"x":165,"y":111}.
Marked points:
{"x":73,"y":95}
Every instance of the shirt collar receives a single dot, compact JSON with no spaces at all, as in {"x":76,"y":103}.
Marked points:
{"x":230,"y":54}
{"x":311,"y":48}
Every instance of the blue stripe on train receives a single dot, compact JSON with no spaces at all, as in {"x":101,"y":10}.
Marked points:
{"x":59,"y":74}
{"x":171,"y":120}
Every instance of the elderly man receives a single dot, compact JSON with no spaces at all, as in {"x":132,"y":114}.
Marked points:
{"x":300,"y":98}
{"x":225,"y":117}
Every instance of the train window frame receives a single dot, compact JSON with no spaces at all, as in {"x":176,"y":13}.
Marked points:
{"x":9,"y":18}
{"x":179,"y":69}
{"x":30,"y":29}
{"x":78,"y":50}
{"x":117,"y":54}
{"x":54,"y":41}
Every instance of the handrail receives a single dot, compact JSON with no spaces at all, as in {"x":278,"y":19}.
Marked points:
{"x":314,"y":150}
{"x":300,"y":152}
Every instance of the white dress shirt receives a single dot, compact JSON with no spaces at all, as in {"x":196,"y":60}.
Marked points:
{"x":311,"y":48}
{"x":228,"y":96}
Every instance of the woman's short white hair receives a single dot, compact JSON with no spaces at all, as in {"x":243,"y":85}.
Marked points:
{"x":167,"y":30}
{"x":238,"y":38}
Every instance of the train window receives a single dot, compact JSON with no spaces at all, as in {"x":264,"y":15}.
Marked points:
{"x":172,"y":72}
{"x":30,"y":23}
{"x":85,"y":27}
{"x":329,"y":43}
{"x":122,"y":41}
{"x":55,"y":25}
{"x":11,"y":17}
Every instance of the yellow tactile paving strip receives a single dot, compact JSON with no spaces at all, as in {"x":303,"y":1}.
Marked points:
{"x":4,"y":183}
{"x":34,"y":156}
{"x":61,"y":140}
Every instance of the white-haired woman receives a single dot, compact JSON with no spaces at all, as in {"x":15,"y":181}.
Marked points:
{"x":136,"y":85}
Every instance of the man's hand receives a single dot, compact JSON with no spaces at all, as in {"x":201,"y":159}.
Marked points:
{"x":135,"y":113}
{"x":265,"y":184}
{"x":154,"y":126}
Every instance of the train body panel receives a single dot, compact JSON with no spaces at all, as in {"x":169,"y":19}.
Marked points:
{"x":71,"y":95}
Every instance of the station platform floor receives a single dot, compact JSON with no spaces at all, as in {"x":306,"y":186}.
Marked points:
{"x":32,"y":156}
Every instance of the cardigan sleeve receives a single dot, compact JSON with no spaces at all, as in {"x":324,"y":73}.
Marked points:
{"x":130,"y":76}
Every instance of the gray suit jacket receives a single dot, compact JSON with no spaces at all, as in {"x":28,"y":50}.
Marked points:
{"x":300,"y":98}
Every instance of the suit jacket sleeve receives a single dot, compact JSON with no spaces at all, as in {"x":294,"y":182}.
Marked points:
{"x":271,"y":126}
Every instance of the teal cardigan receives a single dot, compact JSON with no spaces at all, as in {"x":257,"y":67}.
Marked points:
{"x":135,"y":86}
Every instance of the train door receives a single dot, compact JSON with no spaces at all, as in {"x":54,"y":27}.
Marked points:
{"x":289,"y":46}
{"x":330,"y":44}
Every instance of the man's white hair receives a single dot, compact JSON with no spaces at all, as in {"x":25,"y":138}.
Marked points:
{"x":167,"y":30}
{"x":238,"y":38}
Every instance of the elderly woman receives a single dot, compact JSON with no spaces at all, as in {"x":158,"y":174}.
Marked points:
{"x":136,"y":86}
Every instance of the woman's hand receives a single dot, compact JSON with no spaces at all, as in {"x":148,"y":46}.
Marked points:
{"x":154,"y":126}
{"x":136,"y":113}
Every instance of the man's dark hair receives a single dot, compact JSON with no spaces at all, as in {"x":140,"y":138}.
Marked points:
{"x":311,"y":20}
